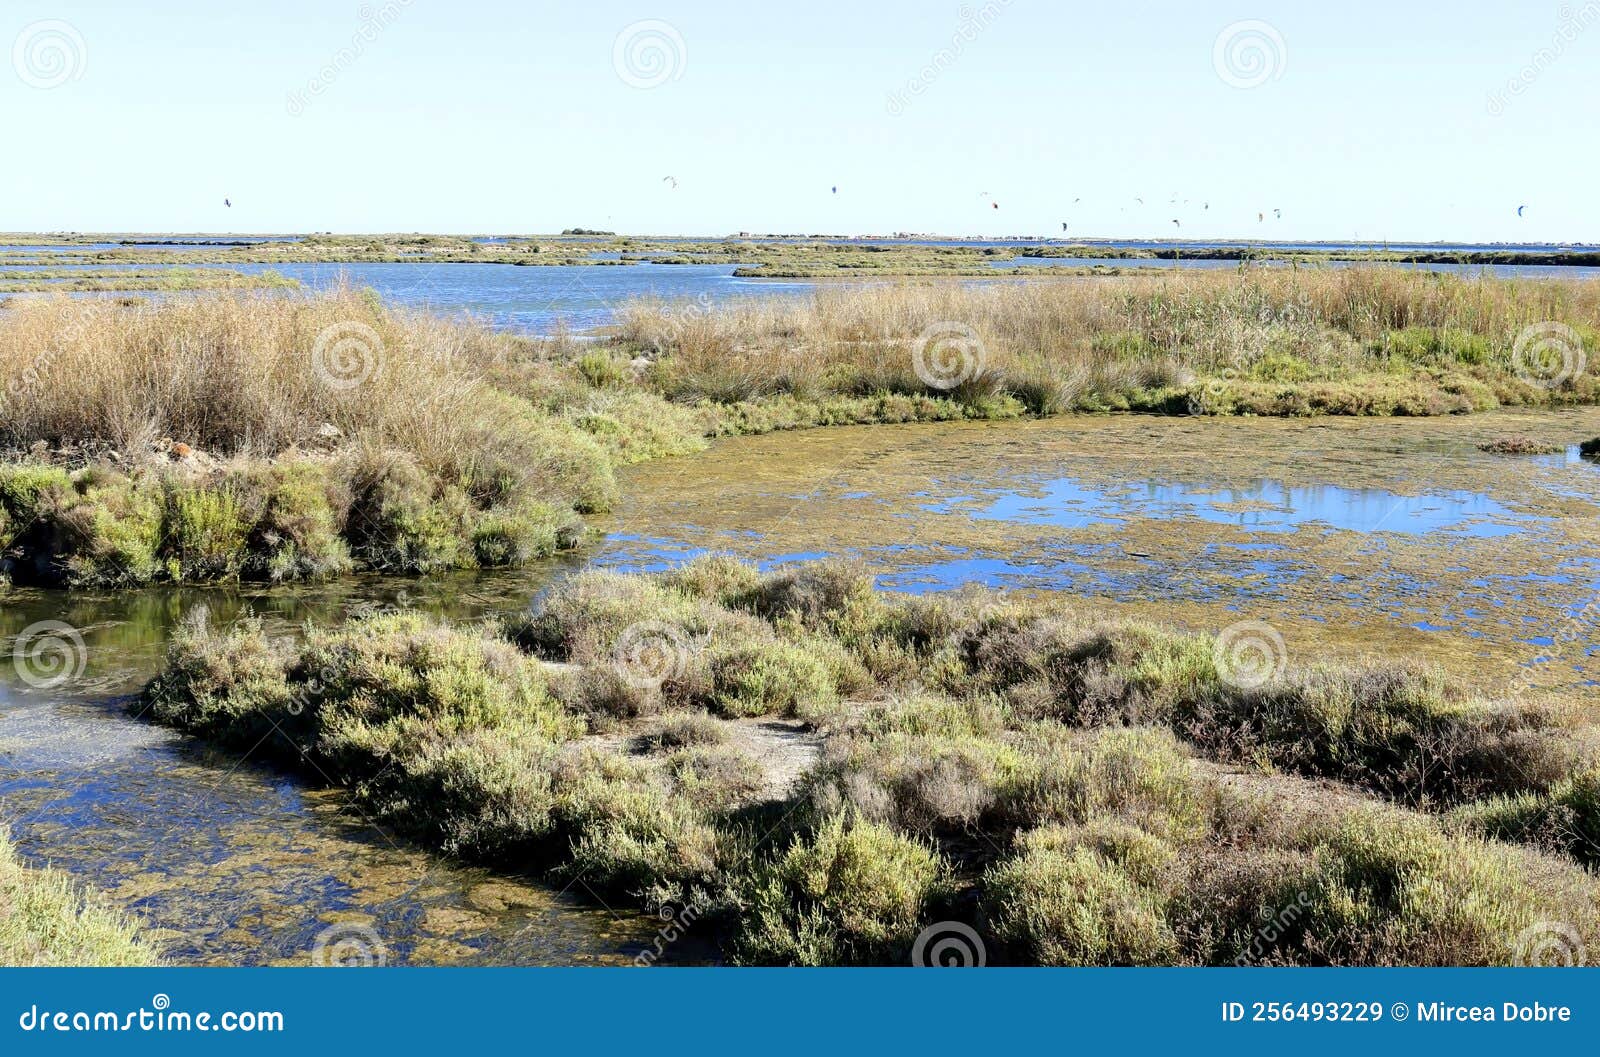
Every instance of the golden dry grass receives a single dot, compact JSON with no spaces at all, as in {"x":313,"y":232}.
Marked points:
{"x":246,"y":373}
{"x":1073,"y":337}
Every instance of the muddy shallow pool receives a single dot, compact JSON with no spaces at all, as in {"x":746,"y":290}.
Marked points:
{"x":1389,"y":536}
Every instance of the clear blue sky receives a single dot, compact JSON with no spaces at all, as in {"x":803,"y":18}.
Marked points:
{"x":511,"y":116}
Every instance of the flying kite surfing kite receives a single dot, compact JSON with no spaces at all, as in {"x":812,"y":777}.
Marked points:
{"x":673,"y":180}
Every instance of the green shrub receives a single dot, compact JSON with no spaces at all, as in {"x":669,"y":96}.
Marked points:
{"x":852,"y":892}
{"x":23,"y":487}
{"x":47,"y":920}
{"x":768,"y":679}
{"x":1054,"y":905}
{"x":204,"y":533}
{"x":1565,"y":817}
{"x":516,"y":536}
{"x":294,"y":530}
{"x":400,"y":520}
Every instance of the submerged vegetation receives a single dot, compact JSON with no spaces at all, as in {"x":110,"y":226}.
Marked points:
{"x":46,"y":920}
{"x":1519,"y":446}
{"x":249,"y":436}
{"x":1078,"y":791}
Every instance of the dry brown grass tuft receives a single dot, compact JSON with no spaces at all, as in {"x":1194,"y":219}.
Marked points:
{"x":1057,"y":344}
{"x":246,"y":373}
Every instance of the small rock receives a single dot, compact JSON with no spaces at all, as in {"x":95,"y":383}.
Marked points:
{"x":328,"y":431}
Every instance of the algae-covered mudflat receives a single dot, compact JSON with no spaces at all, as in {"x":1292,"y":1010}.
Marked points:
{"x":1097,"y":616}
{"x":1355,"y":538}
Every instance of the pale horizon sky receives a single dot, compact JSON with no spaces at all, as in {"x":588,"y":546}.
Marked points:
{"x":1370,"y":121}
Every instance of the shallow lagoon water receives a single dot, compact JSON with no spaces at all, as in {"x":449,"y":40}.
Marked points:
{"x":228,"y":861}
{"x":1258,"y":506}
{"x":1356,"y":539}
{"x":539,"y":299}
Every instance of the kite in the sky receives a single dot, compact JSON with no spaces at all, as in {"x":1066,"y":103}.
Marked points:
{"x":1063,"y":225}
{"x":673,"y":180}
{"x":1278,"y":213}
{"x":1520,"y":209}
{"x":229,"y":204}
{"x":1260,"y":217}
{"x":835,"y":188}
{"x":1175,"y":223}
{"x":996,"y":205}
{"x":1139,"y":200}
